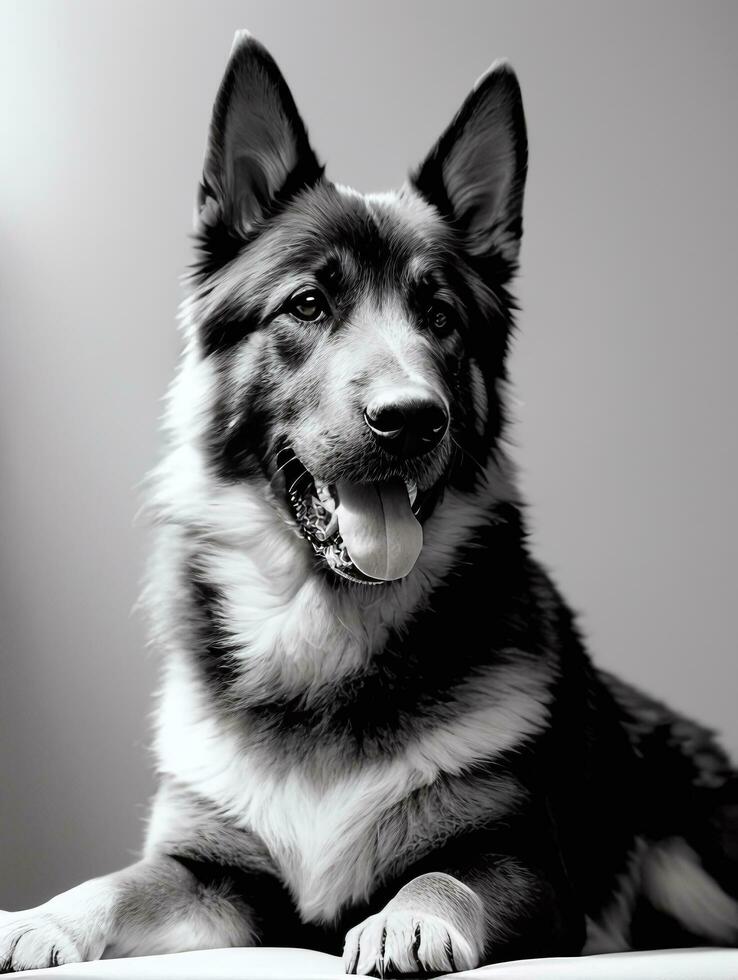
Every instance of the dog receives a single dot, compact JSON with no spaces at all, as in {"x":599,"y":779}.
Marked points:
{"x":378,"y":729}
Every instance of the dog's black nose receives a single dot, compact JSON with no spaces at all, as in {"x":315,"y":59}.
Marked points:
{"x":407,"y":427}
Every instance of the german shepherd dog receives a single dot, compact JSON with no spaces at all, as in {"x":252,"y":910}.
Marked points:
{"x":378,"y":729}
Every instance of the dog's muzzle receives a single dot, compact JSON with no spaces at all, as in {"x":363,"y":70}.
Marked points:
{"x":366,"y":532}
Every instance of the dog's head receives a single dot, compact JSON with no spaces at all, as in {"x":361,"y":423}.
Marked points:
{"x":358,"y":340}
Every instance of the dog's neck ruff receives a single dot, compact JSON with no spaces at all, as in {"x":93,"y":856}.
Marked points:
{"x":290,"y":626}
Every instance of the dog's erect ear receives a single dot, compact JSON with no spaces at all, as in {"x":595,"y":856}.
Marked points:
{"x":475,"y":174}
{"x":258,"y":153}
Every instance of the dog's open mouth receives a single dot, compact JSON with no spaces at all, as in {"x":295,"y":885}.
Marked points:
{"x":366,"y":532}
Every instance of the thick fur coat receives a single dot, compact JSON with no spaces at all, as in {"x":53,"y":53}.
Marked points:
{"x":422,"y":768}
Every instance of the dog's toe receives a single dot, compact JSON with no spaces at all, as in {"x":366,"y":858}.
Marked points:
{"x":34,"y":941}
{"x":404,"y":942}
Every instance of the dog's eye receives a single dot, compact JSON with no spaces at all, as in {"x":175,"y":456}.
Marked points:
{"x":308,"y":305}
{"x":441,"y":319}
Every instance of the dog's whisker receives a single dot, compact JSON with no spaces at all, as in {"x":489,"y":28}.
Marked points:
{"x":303,"y":476}
{"x":465,"y":452}
{"x":352,"y":633}
{"x":292,"y":459}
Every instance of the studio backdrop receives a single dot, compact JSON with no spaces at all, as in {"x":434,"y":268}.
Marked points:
{"x":623,"y":373}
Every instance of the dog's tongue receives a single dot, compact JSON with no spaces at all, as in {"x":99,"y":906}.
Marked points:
{"x":378,"y":527}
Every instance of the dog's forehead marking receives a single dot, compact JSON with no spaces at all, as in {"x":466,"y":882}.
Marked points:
{"x":411,"y":210}
{"x":395,"y":235}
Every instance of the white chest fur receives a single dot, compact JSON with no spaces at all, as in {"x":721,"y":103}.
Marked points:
{"x":320,"y":825}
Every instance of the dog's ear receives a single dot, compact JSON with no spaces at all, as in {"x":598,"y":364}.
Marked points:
{"x":475,"y":174}
{"x":258,"y":154}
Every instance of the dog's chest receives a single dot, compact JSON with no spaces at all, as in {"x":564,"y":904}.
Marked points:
{"x":318,"y":823}
{"x":333,"y":830}
{"x":322,"y":833}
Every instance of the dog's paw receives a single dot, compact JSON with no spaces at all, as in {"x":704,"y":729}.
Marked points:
{"x":34,"y":940}
{"x":393,"y":943}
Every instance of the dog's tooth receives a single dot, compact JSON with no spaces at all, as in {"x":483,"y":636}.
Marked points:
{"x":332,"y":525}
{"x":326,"y":497}
{"x":412,"y":490}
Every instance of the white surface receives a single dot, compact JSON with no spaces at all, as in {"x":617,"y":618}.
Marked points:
{"x":303,"y":964}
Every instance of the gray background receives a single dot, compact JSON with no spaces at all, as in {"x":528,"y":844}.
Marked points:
{"x":624,"y":367}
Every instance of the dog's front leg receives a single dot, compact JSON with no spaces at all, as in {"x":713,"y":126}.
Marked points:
{"x":441,"y":922}
{"x":154,"y":906}
{"x":434,"y":923}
